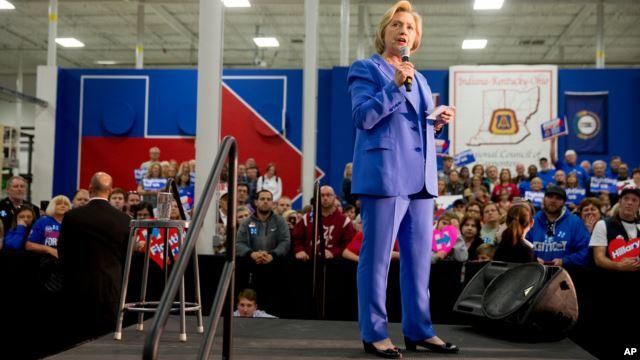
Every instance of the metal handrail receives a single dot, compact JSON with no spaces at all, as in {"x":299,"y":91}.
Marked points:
{"x":224,"y":292}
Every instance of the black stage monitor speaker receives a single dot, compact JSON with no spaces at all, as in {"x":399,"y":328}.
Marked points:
{"x":531,"y":296}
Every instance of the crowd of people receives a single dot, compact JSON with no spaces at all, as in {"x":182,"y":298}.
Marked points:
{"x":576,"y":215}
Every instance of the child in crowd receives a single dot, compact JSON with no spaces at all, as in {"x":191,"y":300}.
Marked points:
{"x":459,"y":251}
{"x":248,"y":306}
{"x":485,"y":252}
{"x":16,"y":237}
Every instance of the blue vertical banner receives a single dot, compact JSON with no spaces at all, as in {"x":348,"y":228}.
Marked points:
{"x":586,"y":113}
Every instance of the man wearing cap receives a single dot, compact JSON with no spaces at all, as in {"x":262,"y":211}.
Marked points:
{"x":570,"y":163}
{"x":624,"y":224}
{"x":559,"y":237}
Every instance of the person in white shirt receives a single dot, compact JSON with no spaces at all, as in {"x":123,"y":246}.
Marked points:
{"x":270,"y":181}
{"x":248,"y":306}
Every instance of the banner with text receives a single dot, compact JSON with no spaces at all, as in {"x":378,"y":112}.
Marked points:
{"x":499,"y":111}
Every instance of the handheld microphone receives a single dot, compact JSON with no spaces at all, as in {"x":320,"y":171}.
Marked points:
{"x":404,"y":53}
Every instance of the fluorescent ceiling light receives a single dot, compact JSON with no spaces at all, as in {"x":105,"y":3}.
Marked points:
{"x":266,"y":41}
{"x":69,"y":42}
{"x":236,"y":3}
{"x":488,"y":4}
{"x":5,"y":5}
{"x":469,"y":44}
{"x":106,"y":62}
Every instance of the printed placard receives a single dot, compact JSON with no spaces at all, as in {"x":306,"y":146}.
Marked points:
{"x":442,"y":147}
{"x":603,"y":184}
{"x":554,"y":128}
{"x":464,"y":158}
{"x":154,"y":184}
{"x":139,"y":174}
{"x":444,"y":240}
{"x":620,"y":249}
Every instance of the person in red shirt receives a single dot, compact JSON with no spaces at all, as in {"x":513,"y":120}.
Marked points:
{"x":352,"y":252}
{"x":337,"y":230}
{"x":505,"y":183}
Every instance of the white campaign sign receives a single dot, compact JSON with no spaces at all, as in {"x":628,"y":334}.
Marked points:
{"x":499,"y":110}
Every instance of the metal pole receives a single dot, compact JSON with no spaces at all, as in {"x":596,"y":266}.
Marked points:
{"x":345,"y":15}
{"x":600,"y":35}
{"x":361,"y":40}
{"x":208,"y":107}
{"x":53,"y":32}
{"x":140,"y":36}
{"x":310,"y":101}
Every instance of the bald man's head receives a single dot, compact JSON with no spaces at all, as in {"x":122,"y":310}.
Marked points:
{"x":101,"y":185}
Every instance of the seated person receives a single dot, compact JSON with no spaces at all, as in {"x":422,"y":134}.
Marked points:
{"x":559,"y":237}
{"x":485,"y":252}
{"x":248,"y":306}
{"x":46,"y":231}
{"x":623,"y":225}
{"x":470,"y":234}
{"x":264,"y":236}
{"x":16,"y":237}
{"x":337,"y":230}
{"x":514,"y":247}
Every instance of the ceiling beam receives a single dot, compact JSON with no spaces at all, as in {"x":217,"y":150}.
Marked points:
{"x":576,"y":22}
{"x":173,"y":21}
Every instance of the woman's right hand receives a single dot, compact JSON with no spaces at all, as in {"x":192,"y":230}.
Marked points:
{"x":403,"y":70}
{"x":22,"y":222}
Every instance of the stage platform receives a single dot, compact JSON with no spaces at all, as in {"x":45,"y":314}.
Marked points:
{"x":277,"y":339}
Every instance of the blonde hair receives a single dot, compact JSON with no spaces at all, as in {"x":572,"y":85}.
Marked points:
{"x":400,"y":6}
{"x":51,"y":208}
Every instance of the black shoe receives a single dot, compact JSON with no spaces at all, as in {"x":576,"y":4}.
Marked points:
{"x":446,"y":348}
{"x":387,"y":354}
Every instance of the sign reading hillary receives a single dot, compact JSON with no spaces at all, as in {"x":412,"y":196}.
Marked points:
{"x":499,"y":110}
{"x":587,"y":113}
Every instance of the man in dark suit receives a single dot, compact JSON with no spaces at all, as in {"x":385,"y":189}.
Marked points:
{"x":92,"y":246}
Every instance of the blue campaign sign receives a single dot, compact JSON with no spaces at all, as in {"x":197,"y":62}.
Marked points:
{"x":603,"y":184}
{"x":154,"y":184}
{"x":553,"y":128}
{"x":139,"y":174}
{"x":464,"y":158}
{"x":442,"y":146}
{"x":575,"y":195}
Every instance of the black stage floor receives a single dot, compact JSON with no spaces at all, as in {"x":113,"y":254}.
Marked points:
{"x":307,"y":339}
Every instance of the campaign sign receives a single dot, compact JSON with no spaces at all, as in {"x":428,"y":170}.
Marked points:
{"x":535,"y":197}
{"x":464,"y":158}
{"x":603,"y":184}
{"x":620,"y":249}
{"x":445,"y":239}
{"x":575,"y":195}
{"x":554,"y":128}
{"x":442,"y":146}
{"x":139,"y":174}
{"x":154,"y":184}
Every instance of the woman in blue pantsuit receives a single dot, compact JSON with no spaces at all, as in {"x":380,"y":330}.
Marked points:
{"x":394,"y":175}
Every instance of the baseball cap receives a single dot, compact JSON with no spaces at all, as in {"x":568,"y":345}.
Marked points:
{"x":630,"y":189}
{"x":556,"y":190}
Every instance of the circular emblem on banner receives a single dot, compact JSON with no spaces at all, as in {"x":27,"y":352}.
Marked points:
{"x":586,"y":124}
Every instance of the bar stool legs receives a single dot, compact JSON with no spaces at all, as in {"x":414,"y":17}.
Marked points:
{"x":143,"y":305}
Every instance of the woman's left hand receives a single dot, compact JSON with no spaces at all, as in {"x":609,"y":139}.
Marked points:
{"x":445,"y":117}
